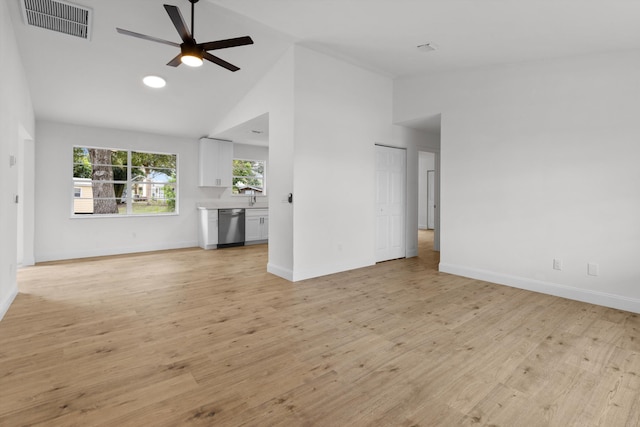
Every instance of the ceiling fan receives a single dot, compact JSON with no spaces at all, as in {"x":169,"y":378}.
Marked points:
{"x":191,"y":52}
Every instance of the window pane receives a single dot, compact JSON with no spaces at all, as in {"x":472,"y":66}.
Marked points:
{"x":81,"y":163}
{"x":248,"y":177}
{"x":105,"y":184}
{"x":83,"y":197}
{"x":154,"y":198}
{"x":119,"y":172}
{"x":105,"y":206}
{"x":153,"y":160}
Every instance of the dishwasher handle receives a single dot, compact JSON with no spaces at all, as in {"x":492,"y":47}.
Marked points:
{"x":233,"y":212}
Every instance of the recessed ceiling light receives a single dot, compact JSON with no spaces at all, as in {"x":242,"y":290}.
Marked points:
{"x":154,"y":81}
{"x":427,"y":47}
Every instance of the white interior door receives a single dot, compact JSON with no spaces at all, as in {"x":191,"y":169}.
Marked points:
{"x":390,"y":203}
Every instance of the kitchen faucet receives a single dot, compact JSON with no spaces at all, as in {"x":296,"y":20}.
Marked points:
{"x":252,"y":200}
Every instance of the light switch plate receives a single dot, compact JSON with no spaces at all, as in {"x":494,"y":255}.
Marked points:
{"x":557,"y":264}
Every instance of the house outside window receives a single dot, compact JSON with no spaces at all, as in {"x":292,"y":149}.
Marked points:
{"x":249,"y":177}
{"x":115,"y":182}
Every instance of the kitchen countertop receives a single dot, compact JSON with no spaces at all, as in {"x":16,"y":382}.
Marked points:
{"x":244,"y":204}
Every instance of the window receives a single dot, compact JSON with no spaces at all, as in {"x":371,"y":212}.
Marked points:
{"x":123,"y":182}
{"x":248,"y":177}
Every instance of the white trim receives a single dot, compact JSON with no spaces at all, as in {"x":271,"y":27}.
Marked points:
{"x":325,"y":270}
{"x":405,"y":211}
{"x":6,"y":303}
{"x":569,"y":292}
{"x":285,"y":273}
{"x":58,"y":256}
{"x":390,"y":146}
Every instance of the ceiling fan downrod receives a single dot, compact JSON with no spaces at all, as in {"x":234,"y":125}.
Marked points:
{"x":193,"y":6}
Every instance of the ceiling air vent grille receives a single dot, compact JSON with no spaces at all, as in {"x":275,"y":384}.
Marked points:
{"x":58,"y":16}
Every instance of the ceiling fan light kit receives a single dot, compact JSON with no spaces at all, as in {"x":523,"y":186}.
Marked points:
{"x":192,"y":53}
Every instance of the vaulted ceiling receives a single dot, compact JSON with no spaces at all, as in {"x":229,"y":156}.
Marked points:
{"x":98,"y":82}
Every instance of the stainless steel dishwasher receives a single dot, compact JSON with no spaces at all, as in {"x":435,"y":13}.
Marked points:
{"x":230,"y":227}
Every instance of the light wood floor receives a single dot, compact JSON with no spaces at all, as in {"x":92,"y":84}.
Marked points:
{"x":193,"y":337}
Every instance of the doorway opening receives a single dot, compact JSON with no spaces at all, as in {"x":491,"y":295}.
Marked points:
{"x":426,"y":190}
{"x":25,"y":194}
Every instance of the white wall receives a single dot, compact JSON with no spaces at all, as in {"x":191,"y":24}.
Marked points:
{"x":274,"y":95}
{"x":341,"y":112}
{"x":16,"y":126}
{"x":325,"y":117}
{"x":250,"y":152}
{"x":59,"y":236}
{"x":539,"y":161}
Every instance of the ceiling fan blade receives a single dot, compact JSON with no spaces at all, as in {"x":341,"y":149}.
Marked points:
{"x":178,"y":22}
{"x":145,"y":37}
{"x":175,"y":61}
{"x":223,"y":44}
{"x":220,"y":62}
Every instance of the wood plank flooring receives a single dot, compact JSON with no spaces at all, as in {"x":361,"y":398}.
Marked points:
{"x":193,"y":337}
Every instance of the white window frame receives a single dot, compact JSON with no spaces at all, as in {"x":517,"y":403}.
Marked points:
{"x":129,"y":185}
{"x":264,"y":175}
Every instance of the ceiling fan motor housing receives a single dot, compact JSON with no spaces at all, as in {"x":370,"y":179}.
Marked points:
{"x":191,"y":50}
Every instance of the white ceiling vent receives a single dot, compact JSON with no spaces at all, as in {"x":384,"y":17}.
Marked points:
{"x":59,"y":16}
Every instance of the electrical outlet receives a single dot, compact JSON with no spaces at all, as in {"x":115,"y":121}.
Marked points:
{"x":592,"y":269}
{"x":557,"y":264}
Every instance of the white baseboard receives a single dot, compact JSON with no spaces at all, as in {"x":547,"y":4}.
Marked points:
{"x":7,"y":300}
{"x":299,"y":275}
{"x":325,"y":270}
{"x":285,"y":273}
{"x":89,"y":253}
{"x":569,"y":292}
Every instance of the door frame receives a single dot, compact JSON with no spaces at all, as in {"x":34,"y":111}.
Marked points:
{"x":404,"y":209}
{"x":437,"y":174}
{"x":431,"y":210}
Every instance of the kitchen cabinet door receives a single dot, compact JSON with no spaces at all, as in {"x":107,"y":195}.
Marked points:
{"x":225,"y":163}
{"x":208,"y":236}
{"x":215,"y":165}
{"x":252,"y":229}
{"x":265,"y":228}
{"x":256,"y":225}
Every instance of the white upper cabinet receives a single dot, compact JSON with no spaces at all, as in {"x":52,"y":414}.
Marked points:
{"x":216,"y":157}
